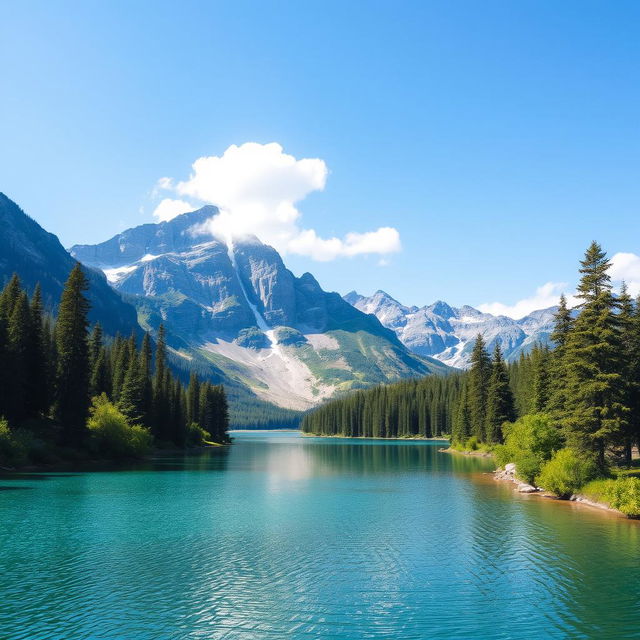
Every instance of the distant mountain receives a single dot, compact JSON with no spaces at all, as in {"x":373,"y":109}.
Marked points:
{"x":37,"y":256}
{"x":448,"y":334}
{"x":244,"y":312}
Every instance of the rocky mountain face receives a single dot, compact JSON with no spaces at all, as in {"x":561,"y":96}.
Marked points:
{"x":236,"y":306}
{"x":448,"y":334}
{"x":37,"y":256}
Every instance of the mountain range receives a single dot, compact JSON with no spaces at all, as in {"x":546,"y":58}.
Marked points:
{"x":234,"y":305}
{"x":235,"y":314}
{"x":448,"y":333}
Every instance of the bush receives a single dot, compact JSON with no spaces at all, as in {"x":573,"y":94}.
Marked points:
{"x":529,"y":443}
{"x":471,"y":444}
{"x":566,"y":472}
{"x":196,"y":435}
{"x":622,"y":494}
{"x":111,"y":434}
{"x":13,"y":448}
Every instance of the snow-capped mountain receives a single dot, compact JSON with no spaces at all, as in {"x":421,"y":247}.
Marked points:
{"x":237,"y":307}
{"x":448,"y":333}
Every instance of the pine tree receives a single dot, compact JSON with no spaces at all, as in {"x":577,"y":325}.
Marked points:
{"x":72,"y":376}
{"x":10,"y":295}
{"x":500,"y":407}
{"x":540,"y":358}
{"x":479,"y":375}
{"x":145,"y":370}
{"x":629,"y":345}
{"x":193,"y":398}
{"x":19,"y":348}
{"x":131,"y":400}
{"x":38,"y":367}
{"x":563,"y":324}
{"x":595,"y":415}
{"x":161,"y":389}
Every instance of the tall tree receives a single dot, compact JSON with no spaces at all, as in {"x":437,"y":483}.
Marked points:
{"x":595,"y":411}
{"x":38,"y":366}
{"x":19,"y":349}
{"x":72,"y":377}
{"x":479,"y":375}
{"x":563,"y":323}
{"x":500,"y":406}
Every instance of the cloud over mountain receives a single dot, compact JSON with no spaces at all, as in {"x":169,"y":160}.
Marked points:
{"x":257,"y":188}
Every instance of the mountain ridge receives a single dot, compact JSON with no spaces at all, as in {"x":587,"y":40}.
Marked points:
{"x":447,"y":333}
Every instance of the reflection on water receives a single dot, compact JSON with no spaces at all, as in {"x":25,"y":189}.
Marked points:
{"x":281,"y":536}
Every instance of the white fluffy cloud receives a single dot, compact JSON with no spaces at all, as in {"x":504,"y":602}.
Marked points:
{"x":257,"y":187}
{"x":626,"y":267}
{"x":169,"y":209}
{"x":545,"y":296}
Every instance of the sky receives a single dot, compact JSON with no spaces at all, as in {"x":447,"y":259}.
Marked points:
{"x":464,"y":151}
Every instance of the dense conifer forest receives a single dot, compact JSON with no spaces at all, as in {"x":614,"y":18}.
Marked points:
{"x":63,"y":383}
{"x":587,"y":386}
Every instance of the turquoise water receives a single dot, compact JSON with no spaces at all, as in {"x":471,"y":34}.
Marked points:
{"x":281,"y":536}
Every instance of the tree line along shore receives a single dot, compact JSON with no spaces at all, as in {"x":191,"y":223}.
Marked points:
{"x":69,"y":393}
{"x":567,"y":416}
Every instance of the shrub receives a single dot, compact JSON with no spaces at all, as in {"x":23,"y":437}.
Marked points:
{"x":622,"y":494}
{"x":566,"y":472}
{"x":111,"y":433}
{"x":471,"y":444}
{"x":13,"y":448}
{"x":529,"y":443}
{"x":196,"y":435}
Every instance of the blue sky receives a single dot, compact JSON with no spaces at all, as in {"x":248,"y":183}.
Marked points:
{"x":497,"y":138}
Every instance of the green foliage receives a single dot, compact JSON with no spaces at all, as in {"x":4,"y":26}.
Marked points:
{"x":529,"y":443}
{"x":13,"y":451}
{"x":412,"y":408}
{"x":566,"y":472}
{"x":622,"y":494}
{"x":112,"y":435}
{"x":196,"y":435}
{"x":48,"y":369}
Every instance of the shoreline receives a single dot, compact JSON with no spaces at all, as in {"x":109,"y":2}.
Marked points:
{"x":101,"y":464}
{"x":506,"y":476}
{"x":402,"y":439}
{"x":476,"y":454}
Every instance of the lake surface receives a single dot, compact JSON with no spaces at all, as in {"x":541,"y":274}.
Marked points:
{"x":281,"y":536}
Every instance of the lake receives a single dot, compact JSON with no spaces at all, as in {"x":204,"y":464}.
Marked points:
{"x":282,"y":536}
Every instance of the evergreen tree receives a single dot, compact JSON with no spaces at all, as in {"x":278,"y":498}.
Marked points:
{"x":479,"y":375}
{"x":145,"y":370}
{"x":563,"y":323}
{"x":595,"y":413}
{"x":72,"y":376}
{"x":10,"y":295}
{"x":38,"y":366}
{"x":500,"y":408}
{"x":193,"y":398}
{"x":541,"y":361}
{"x":629,"y":345}
{"x":131,"y":398}
{"x":19,"y":350}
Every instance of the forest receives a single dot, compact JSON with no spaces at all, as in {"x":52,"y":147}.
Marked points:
{"x":572,"y":408}
{"x":68,"y":390}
